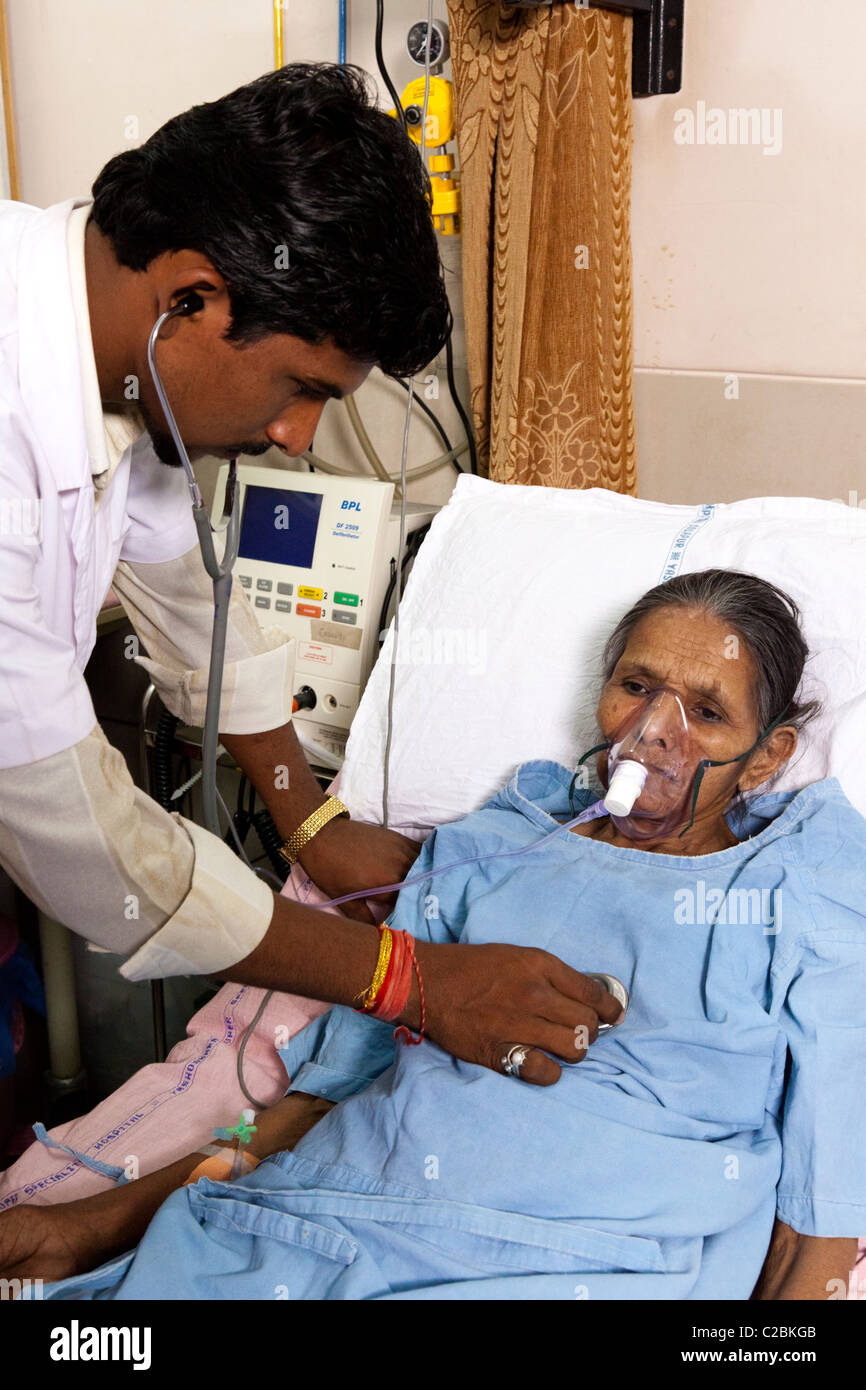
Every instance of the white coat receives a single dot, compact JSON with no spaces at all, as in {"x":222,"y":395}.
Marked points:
{"x":58,"y":552}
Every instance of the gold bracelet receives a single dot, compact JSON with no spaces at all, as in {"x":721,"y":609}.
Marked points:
{"x":368,"y":995}
{"x":291,"y":848}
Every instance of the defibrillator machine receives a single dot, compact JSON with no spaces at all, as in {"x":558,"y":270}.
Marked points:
{"x":317,"y":555}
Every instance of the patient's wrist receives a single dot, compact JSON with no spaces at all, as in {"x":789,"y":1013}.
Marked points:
{"x":284,"y":1124}
{"x":110,"y":1223}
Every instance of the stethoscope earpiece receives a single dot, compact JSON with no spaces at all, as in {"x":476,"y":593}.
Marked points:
{"x":192,"y":303}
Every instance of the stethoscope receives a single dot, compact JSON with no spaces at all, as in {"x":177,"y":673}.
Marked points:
{"x":219,"y":571}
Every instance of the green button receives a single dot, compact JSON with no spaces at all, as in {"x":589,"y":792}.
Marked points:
{"x":350,"y":600}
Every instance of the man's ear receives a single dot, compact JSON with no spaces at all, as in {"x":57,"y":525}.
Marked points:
{"x":767,"y":759}
{"x":174,"y":273}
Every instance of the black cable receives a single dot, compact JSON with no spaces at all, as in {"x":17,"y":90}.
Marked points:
{"x":434,"y":420}
{"x":386,"y":77}
{"x":271,"y":840}
{"x":383,"y":612}
{"x":240,"y":820}
{"x":449,"y":363}
{"x":162,"y":746}
{"x":243,"y":818}
{"x":412,"y":547}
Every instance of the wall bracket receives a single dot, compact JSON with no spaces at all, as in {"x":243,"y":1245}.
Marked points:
{"x":657,"y":45}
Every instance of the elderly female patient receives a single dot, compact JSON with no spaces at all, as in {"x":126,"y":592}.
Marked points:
{"x":710,"y":1145}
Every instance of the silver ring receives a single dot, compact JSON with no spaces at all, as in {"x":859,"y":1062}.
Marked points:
{"x":514,"y":1059}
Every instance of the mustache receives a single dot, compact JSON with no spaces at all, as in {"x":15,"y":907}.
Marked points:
{"x":163,"y":444}
{"x":251,"y":450}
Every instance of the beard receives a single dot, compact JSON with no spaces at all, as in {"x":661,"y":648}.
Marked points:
{"x":164,"y":447}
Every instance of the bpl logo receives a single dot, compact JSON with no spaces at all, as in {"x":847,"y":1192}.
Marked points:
{"x":348,"y":506}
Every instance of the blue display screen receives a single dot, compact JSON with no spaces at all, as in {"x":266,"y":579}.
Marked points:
{"x":280,"y":525}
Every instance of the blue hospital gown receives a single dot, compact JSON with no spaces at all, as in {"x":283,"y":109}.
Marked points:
{"x":653,"y":1169}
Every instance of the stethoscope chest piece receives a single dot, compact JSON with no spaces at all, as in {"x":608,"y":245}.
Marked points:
{"x":614,"y":987}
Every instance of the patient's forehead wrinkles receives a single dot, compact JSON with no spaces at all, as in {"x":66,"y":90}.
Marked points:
{"x":681,"y":656}
{"x":697,"y":681}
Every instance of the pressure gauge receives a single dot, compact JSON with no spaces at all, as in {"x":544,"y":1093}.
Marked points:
{"x":416,"y":43}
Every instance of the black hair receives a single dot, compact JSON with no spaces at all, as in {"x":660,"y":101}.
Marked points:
{"x":765,"y":618}
{"x":297,"y":168}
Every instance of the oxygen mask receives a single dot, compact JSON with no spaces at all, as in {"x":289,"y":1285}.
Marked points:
{"x":652,"y":765}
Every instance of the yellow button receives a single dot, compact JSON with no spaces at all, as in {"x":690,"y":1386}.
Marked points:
{"x":305,"y":592}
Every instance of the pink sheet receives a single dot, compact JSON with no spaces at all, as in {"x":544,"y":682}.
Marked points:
{"x":169,"y":1108}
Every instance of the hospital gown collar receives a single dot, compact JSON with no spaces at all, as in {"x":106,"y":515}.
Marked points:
{"x":539,"y":790}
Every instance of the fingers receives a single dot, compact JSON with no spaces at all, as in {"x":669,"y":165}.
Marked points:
{"x":538,"y":1069}
{"x":582,"y":989}
{"x":564,"y":1013}
{"x":569,"y":1043}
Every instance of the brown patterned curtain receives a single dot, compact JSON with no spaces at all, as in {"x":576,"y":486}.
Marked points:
{"x":544,"y":115}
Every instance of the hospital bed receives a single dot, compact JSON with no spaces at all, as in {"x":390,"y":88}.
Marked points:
{"x":496,"y":660}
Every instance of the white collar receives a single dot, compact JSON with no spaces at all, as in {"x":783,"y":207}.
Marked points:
{"x":109,"y":434}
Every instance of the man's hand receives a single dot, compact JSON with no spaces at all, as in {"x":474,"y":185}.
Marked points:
{"x":347,"y":855}
{"x":481,"y":1000}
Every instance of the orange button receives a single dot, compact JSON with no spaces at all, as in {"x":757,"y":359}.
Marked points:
{"x":308,"y":610}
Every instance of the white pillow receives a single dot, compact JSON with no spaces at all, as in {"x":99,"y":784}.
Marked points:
{"x":508,"y":607}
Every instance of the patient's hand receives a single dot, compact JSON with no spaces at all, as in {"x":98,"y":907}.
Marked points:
{"x":42,"y":1243}
{"x":53,"y":1242}
{"x":801,"y":1267}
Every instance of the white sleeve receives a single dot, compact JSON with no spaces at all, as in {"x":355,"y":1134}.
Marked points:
{"x":97,"y":854}
{"x":171,"y":607}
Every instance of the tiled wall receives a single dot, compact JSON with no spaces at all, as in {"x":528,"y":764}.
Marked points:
{"x":750,"y":292}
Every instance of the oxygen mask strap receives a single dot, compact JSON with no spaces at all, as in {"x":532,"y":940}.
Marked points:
{"x":724,"y":762}
{"x":599,"y":748}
